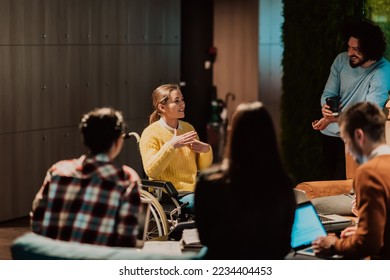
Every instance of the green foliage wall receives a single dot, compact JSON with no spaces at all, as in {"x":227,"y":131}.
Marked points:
{"x":379,"y":12}
{"x":312,"y":39}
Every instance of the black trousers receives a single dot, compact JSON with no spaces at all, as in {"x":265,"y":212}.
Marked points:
{"x":334,"y":157}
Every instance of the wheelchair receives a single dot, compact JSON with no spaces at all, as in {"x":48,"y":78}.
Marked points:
{"x":168,"y":215}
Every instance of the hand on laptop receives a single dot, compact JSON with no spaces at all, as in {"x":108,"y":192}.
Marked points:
{"x":324,"y":246}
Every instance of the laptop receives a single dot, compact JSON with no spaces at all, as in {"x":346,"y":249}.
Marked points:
{"x":143,"y":222}
{"x":331,"y":222}
{"x":306,"y":228}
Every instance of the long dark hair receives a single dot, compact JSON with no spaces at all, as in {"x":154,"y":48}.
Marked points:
{"x":252,"y":149}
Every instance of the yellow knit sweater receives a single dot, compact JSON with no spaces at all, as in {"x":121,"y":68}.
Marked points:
{"x":163,"y":162}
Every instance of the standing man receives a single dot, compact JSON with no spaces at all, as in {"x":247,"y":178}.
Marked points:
{"x":362,"y":129}
{"x":360,"y":74}
{"x":91,"y":199}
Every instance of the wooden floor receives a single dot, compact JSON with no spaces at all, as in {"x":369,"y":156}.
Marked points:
{"x":9,"y":231}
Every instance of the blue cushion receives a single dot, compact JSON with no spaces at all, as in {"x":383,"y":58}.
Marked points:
{"x":31,"y":246}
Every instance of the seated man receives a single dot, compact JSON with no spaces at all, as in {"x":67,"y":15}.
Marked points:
{"x":341,"y":204}
{"x":362,"y":129}
{"x":91,"y":199}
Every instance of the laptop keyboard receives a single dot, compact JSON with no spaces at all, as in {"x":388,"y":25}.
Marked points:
{"x":324,"y":219}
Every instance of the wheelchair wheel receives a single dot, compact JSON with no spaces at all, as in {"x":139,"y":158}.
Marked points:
{"x":158,"y":223}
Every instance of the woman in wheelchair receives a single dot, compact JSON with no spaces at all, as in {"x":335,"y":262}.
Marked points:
{"x":170,"y":148}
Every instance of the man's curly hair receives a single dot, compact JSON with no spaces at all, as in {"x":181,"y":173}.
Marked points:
{"x":372,"y":41}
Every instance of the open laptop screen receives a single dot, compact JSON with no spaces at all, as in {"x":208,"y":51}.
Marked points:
{"x":307,"y":226}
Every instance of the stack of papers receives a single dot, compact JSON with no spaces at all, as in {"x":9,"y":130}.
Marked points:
{"x":191,"y":238}
{"x":163,"y":247}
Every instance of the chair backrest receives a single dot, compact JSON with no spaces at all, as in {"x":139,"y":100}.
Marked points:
{"x":351,"y":164}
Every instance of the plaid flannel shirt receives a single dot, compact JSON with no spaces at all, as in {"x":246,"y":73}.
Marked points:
{"x":88,"y":200}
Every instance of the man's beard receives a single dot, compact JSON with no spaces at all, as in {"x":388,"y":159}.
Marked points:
{"x":359,"y":63}
{"x":357,"y":154}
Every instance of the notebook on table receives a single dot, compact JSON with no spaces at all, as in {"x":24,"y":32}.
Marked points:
{"x":306,"y":228}
{"x":331,"y":222}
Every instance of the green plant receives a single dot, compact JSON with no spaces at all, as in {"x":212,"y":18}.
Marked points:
{"x":379,"y":12}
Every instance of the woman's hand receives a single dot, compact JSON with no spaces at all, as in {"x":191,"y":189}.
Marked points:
{"x":186,"y":139}
{"x":199,"y":146}
{"x":189,"y":139}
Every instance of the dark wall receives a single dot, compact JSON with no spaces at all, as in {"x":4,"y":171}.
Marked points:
{"x":196,"y":38}
{"x":61,"y":58}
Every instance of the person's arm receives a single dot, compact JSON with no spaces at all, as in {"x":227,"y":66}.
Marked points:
{"x":379,"y":87}
{"x":205,"y":154}
{"x":203,"y":150}
{"x":332,"y":89}
{"x":320,"y":124}
{"x":128,"y":212}
{"x":371,"y":205}
{"x":367,"y":239}
{"x":156,"y":154}
{"x":332,"y":86}
{"x":39,"y":205}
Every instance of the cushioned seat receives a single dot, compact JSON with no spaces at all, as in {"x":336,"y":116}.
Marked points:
{"x":326,"y":188}
{"x":316,"y":189}
{"x":31,"y":246}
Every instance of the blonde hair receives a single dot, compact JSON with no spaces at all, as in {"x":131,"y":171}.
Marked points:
{"x":160,"y":96}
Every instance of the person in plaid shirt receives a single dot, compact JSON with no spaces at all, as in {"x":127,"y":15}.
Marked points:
{"x":91,"y":199}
